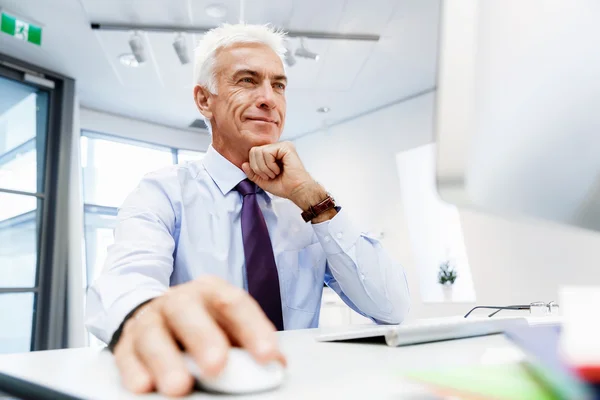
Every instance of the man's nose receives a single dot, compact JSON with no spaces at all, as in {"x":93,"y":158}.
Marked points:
{"x":266,"y":97}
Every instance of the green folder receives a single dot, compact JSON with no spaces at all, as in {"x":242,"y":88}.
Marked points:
{"x":498,"y":382}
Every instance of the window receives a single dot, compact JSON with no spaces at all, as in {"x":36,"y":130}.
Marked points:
{"x":112,"y":167}
{"x":19,"y":126}
{"x":434,"y":227}
{"x":18,"y":240}
{"x":23,"y":123}
{"x":99,"y":224}
{"x":16,"y":319}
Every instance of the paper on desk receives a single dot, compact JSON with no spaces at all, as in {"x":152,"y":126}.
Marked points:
{"x":579,"y":344}
{"x":498,"y":382}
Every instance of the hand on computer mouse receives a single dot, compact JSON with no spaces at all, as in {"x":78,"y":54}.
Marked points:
{"x":203,"y":318}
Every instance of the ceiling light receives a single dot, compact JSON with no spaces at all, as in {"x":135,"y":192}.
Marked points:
{"x":128,"y":60}
{"x":180,"y":47}
{"x":290,"y":60}
{"x":323,"y":109}
{"x":303,"y":52}
{"x":137,"y":48}
{"x":216,"y":10}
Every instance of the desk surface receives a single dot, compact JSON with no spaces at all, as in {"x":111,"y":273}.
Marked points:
{"x":316,"y":370}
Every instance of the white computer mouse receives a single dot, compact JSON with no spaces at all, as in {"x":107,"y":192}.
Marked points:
{"x":241,"y":375}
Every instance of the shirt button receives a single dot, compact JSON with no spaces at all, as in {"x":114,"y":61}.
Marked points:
{"x":339,"y":235}
{"x":327,"y":239}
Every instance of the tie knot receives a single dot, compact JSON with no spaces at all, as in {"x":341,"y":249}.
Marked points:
{"x":246,"y":187}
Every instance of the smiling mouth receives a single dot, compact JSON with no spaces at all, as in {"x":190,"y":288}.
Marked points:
{"x":266,"y":120}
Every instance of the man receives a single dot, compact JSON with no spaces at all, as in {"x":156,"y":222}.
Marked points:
{"x":217,"y":253}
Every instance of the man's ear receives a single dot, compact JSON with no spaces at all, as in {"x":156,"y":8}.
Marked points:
{"x":203,"y":101}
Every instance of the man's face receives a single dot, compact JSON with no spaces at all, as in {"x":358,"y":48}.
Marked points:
{"x":249,"y":109}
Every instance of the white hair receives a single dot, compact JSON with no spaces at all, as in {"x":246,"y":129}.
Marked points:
{"x":227,"y":35}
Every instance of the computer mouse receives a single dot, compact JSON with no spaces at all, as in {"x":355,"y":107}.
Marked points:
{"x":241,"y":375}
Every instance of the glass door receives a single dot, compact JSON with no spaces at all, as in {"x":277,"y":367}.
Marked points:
{"x":24,"y":112}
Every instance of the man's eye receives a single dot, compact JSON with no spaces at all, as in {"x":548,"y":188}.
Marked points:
{"x":280,"y":86}
{"x":247,"y":80}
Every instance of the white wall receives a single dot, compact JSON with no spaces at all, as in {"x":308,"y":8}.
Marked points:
{"x":512,"y":262}
{"x":102,"y":122}
{"x":526,"y":260}
{"x":356,"y":162}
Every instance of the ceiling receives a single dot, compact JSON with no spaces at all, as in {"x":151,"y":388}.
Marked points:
{"x":350,"y":77}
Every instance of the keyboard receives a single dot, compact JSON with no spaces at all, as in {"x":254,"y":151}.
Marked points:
{"x":424,"y":331}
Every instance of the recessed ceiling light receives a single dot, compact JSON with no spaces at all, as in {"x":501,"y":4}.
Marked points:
{"x":323,"y":109}
{"x":129,"y":60}
{"x":216,"y":10}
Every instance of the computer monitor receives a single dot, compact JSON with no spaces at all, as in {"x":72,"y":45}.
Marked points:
{"x":518,"y":108}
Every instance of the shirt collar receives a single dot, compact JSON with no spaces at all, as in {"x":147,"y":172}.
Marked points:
{"x":223,"y":172}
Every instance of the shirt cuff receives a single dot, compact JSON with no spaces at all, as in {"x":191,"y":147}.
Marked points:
{"x":337,"y":235}
{"x":116,"y":336}
{"x":104,"y":324}
{"x":124,"y":306}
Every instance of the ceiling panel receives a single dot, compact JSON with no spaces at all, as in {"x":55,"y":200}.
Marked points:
{"x":303,"y":75}
{"x":173,"y":73}
{"x":316,"y":16}
{"x":67,"y":48}
{"x":255,"y":12}
{"x":342,"y":63}
{"x":366,"y":16}
{"x":411,"y":15}
{"x":198,"y":11}
{"x":407,"y":50}
{"x":116,"y":44}
{"x":278,"y":13}
{"x":149,"y":12}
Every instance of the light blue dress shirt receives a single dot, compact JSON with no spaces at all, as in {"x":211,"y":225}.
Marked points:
{"x":184,"y":221}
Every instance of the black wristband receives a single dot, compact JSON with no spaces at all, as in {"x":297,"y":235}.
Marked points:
{"x":117,"y":335}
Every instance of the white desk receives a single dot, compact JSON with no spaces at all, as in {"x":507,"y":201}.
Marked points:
{"x":316,"y":370}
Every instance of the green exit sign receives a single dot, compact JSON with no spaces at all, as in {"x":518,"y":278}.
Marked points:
{"x":20,"y":29}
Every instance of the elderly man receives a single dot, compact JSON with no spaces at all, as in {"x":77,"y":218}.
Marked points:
{"x":225,"y":251}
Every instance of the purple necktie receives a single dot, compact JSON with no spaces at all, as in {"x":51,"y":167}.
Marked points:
{"x":261,"y":270}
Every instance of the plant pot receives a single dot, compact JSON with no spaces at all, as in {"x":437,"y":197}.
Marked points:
{"x":447,"y":291}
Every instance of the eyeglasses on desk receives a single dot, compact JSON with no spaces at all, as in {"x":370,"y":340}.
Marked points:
{"x":535,"y":308}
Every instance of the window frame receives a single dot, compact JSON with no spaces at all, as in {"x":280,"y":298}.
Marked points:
{"x":105,"y":210}
{"x":49,"y":304}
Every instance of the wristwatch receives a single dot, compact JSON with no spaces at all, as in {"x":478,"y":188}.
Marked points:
{"x":316,"y":210}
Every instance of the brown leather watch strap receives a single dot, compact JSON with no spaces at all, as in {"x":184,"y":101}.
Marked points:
{"x":316,"y":210}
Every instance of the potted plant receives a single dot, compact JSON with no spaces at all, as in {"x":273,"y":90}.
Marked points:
{"x":446,"y":277}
